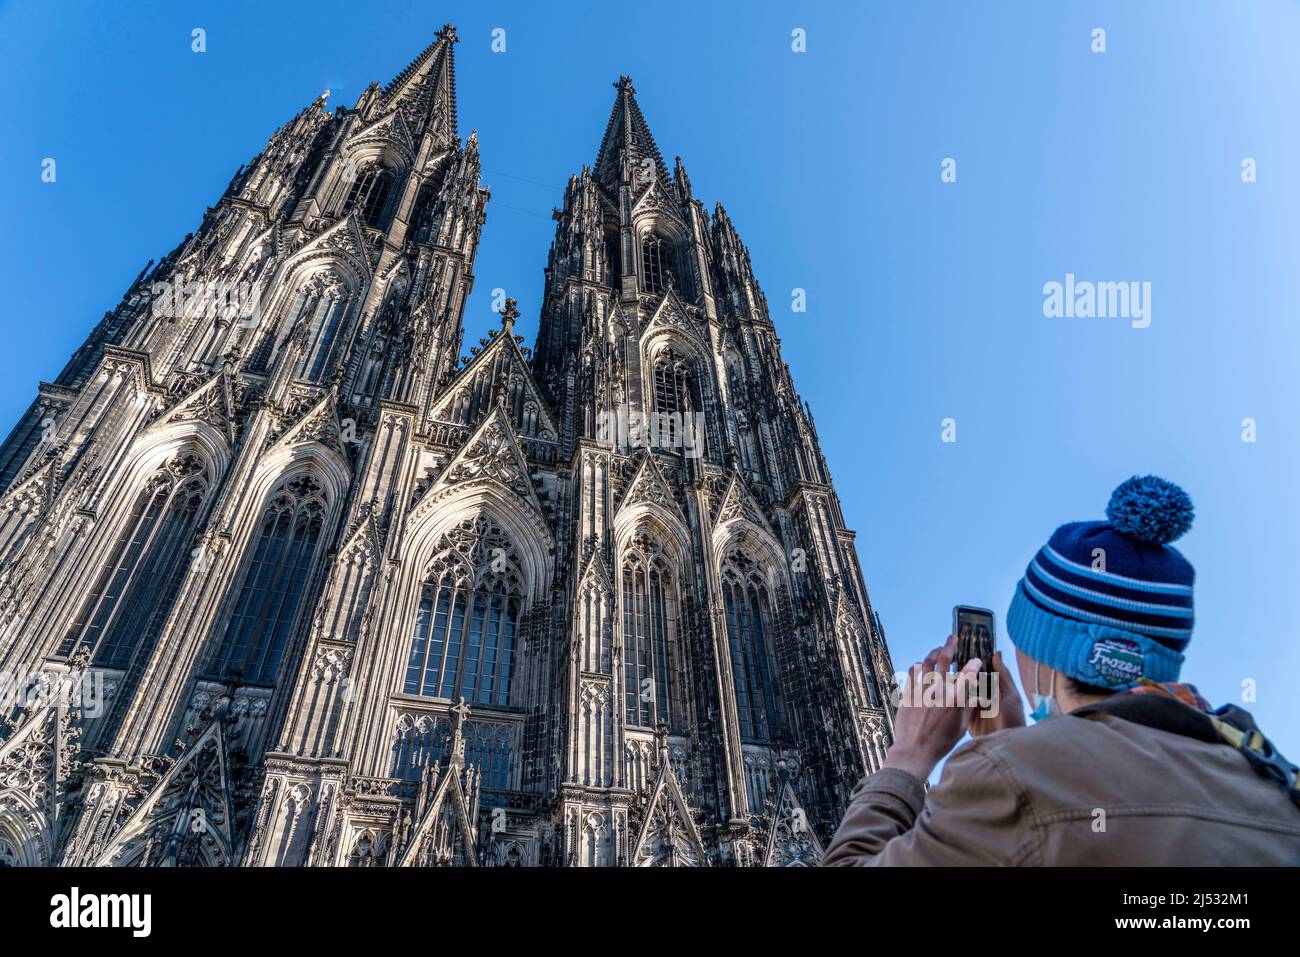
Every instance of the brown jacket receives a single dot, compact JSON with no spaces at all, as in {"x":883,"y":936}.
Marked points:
{"x":1095,"y":790}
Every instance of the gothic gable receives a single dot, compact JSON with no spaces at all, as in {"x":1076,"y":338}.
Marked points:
{"x":444,"y":836}
{"x":668,"y":836}
{"x":791,"y":841}
{"x":389,"y":130}
{"x":364,"y":543}
{"x":37,"y":489}
{"x":847,"y":618}
{"x":211,"y":403}
{"x":491,"y":457}
{"x":655,"y":198}
{"x":435,"y":161}
{"x":648,"y":485}
{"x":320,"y":424}
{"x":186,"y":819}
{"x":738,"y":503}
{"x":487,"y":380}
{"x":596,"y":575}
{"x":447,"y":808}
{"x":670,"y":316}
{"x":266,"y":240}
{"x":343,"y":239}
{"x":36,"y":762}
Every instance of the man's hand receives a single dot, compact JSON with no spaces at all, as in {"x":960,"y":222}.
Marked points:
{"x":1007,"y":705}
{"x":933,"y":713}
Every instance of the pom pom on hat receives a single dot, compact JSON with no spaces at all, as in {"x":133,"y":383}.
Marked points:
{"x":1150,"y":509}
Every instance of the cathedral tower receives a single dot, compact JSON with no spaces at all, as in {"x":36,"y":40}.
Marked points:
{"x":716,"y":595}
{"x":295,"y":584}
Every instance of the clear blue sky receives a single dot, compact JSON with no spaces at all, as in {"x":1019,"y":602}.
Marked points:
{"x":924,"y":298}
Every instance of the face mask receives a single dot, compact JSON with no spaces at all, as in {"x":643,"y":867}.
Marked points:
{"x":1045,"y":705}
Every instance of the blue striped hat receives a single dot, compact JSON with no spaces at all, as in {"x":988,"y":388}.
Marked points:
{"x":1110,"y":602}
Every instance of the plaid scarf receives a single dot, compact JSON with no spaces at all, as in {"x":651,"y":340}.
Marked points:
{"x":1184,"y":692}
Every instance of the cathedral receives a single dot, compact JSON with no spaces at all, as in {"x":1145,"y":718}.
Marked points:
{"x":286,"y":580}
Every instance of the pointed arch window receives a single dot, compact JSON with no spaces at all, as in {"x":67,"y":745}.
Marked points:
{"x":657,"y":272}
{"x":316,"y":313}
{"x":856,"y":657}
{"x":749,"y":618}
{"x":259,"y":360}
{"x":133,"y":588}
{"x":673,"y":401}
{"x":369,"y":193}
{"x":329,"y":298}
{"x":463,"y":643}
{"x":613,"y":259}
{"x":274,"y":582}
{"x":651,"y":652}
{"x":427,"y":219}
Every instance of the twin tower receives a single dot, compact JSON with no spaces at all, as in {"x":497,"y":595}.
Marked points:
{"x":286,"y":581}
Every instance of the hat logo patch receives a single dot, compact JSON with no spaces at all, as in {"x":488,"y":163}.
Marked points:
{"x":1118,"y":660}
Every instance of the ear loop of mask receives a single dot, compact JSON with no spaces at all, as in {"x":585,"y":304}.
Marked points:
{"x":1045,"y":706}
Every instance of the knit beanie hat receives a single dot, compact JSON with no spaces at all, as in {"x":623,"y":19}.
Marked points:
{"x":1110,"y":602}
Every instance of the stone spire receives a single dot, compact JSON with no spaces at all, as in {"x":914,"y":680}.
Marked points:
{"x":627,"y":142}
{"x":426,"y":90}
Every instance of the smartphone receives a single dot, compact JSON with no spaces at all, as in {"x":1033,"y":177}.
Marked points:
{"x":976,"y":636}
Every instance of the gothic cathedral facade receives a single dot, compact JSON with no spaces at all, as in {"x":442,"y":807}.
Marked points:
{"x":286,"y":581}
